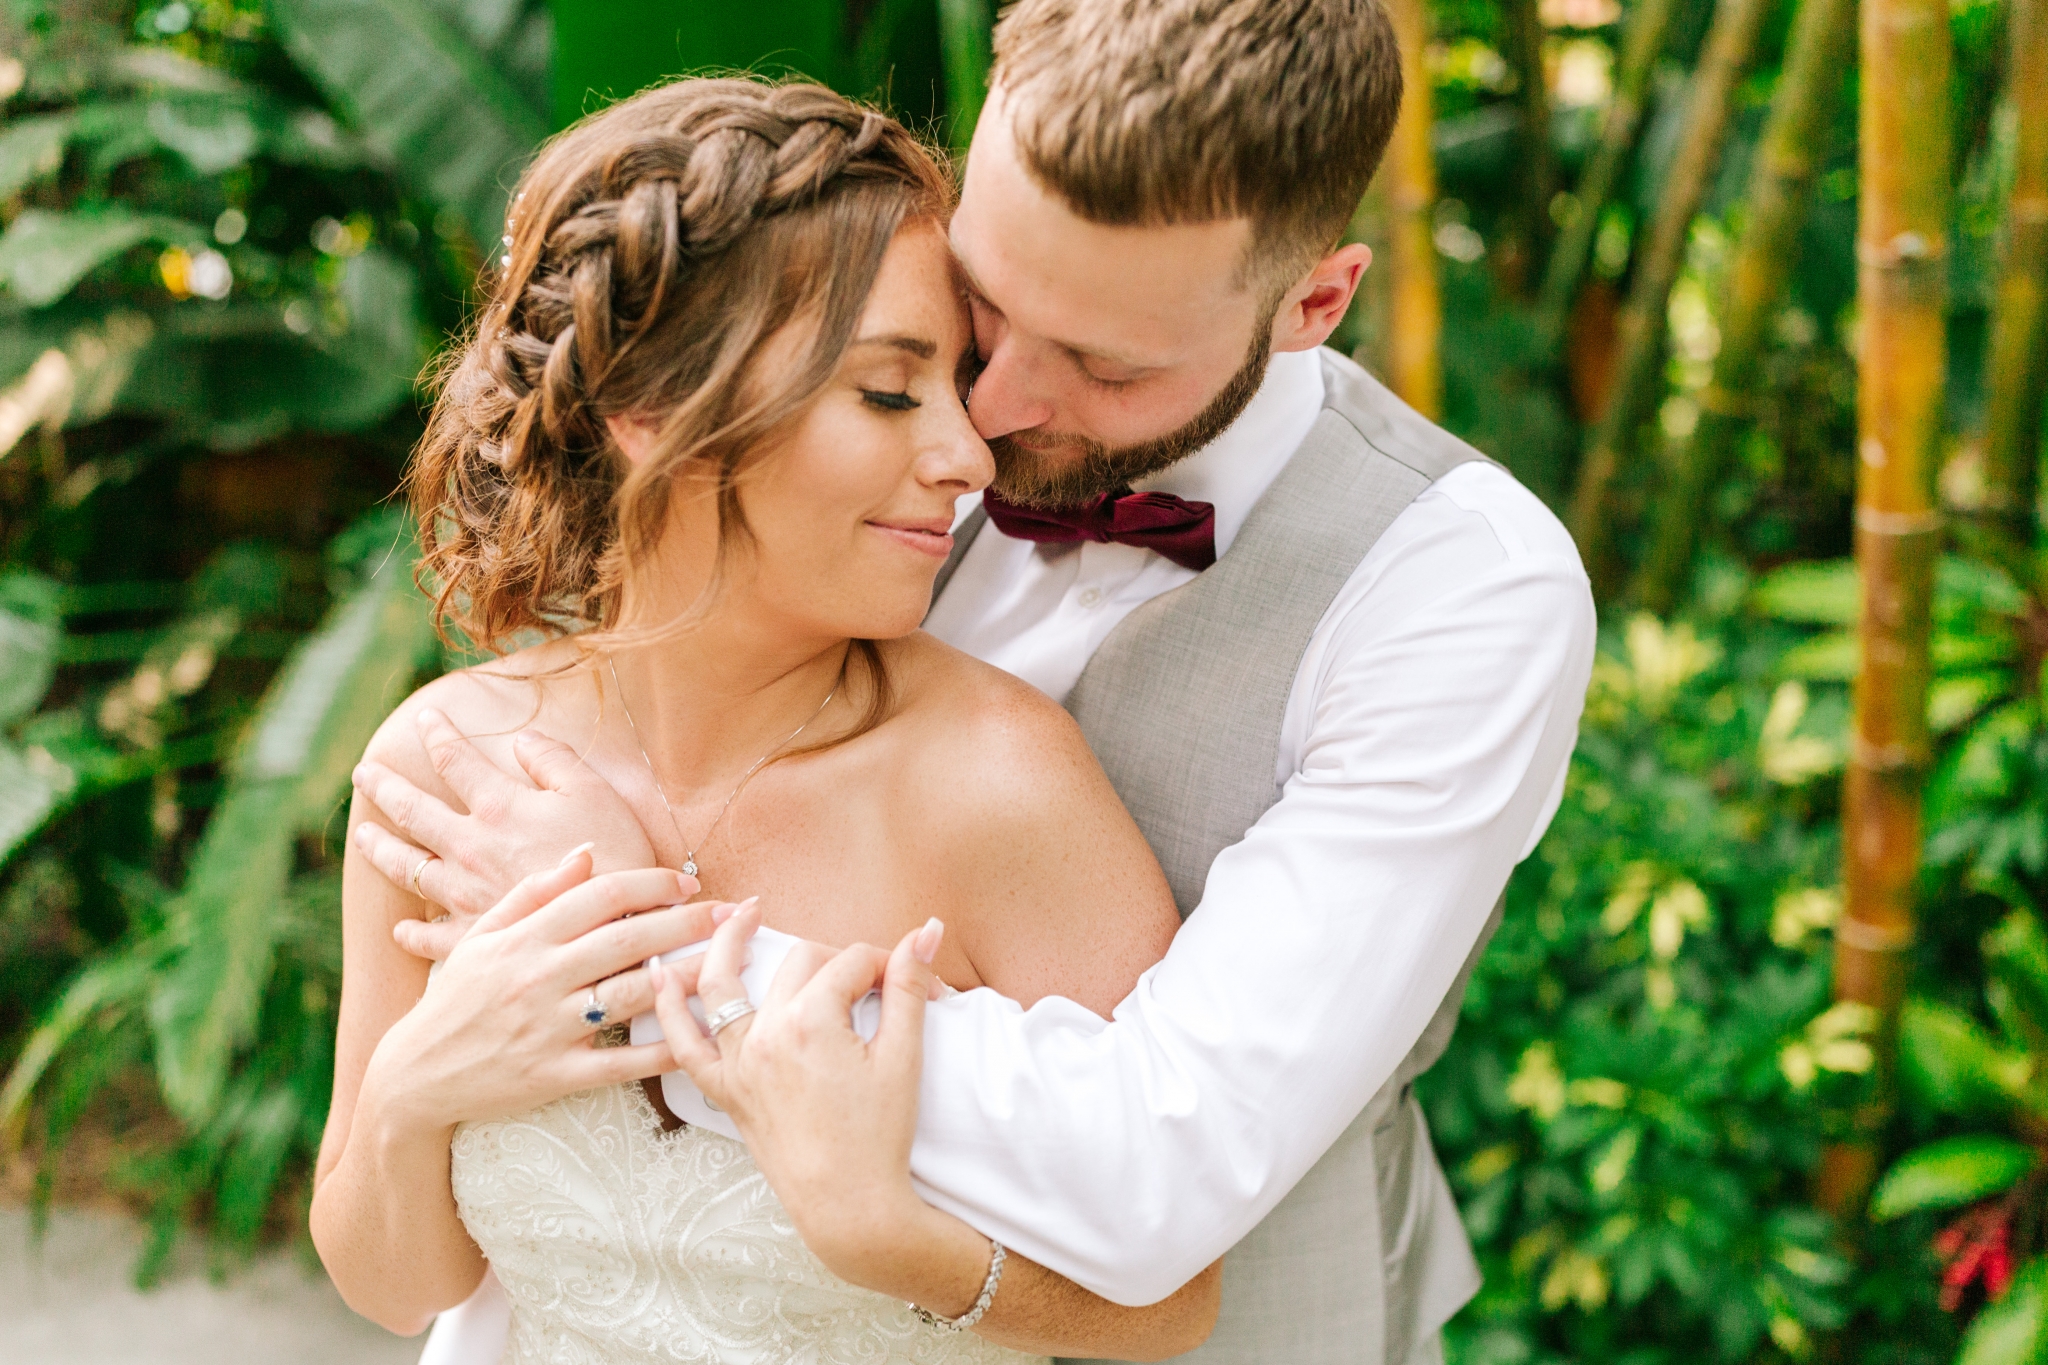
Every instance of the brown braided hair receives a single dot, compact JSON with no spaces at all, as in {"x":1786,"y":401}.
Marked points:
{"x":653,"y":250}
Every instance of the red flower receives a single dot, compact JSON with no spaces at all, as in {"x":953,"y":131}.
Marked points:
{"x":1976,"y":1246}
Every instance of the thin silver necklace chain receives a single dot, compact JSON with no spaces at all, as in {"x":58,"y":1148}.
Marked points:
{"x":689,"y":867}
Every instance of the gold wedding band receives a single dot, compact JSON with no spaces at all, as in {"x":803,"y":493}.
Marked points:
{"x":414,"y":880}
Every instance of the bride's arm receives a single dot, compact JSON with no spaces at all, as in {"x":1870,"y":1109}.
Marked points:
{"x":496,"y":1034}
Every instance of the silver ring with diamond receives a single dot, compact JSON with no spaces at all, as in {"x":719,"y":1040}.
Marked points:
{"x":594,"y":1012}
{"x":726,"y":1015}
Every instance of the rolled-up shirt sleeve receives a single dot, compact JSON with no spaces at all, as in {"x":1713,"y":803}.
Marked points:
{"x":1425,"y":751}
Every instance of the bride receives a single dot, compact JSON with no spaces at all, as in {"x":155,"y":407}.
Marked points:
{"x":691,"y":477}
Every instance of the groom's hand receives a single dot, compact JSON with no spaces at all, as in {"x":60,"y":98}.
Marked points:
{"x":515,"y":825}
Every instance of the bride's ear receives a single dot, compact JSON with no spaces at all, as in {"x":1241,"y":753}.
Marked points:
{"x":634,"y":438}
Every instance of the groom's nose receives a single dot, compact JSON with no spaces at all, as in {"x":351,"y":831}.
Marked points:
{"x":1012,"y":392}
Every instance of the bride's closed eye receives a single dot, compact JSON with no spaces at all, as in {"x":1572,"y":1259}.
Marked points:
{"x":889,"y":402}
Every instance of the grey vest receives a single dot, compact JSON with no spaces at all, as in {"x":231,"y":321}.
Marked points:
{"x":1183,"y":704}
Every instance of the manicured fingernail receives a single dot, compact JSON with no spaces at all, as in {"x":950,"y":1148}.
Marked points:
{"x":655,"y":973}
{"x":721,"y":913}
{"x":690,"y":885}
{"x":362,"y":837}
{"x":572,"y":854}
{"x":747,"y":904}
{"x":925,"y":947}
{"x":427,"y":716}
{"x":355,"y":775}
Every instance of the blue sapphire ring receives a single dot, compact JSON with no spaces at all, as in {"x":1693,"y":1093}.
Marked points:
{"x":594,"y":1012}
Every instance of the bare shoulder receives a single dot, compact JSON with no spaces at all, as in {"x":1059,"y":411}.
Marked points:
{"x":1012,"y":738}
{"x":1047,"y":878}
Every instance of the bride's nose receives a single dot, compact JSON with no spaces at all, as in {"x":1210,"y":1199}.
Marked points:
{"x":957,"y":460}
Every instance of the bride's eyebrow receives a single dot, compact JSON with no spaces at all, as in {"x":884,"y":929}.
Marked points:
{"x":920,"y":347}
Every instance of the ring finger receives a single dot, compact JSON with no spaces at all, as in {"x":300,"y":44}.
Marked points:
{"x":614,"y":1000}
{"x":718,"y":983}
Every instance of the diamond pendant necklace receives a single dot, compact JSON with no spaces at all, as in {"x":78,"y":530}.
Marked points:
{"x":689,"y":868}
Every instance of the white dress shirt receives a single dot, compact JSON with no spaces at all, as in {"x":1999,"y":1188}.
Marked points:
{"x":1422,"y":754}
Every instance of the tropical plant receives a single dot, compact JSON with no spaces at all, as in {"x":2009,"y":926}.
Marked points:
{"x":1649,"y":1061}
{"x":1994,"y":1253}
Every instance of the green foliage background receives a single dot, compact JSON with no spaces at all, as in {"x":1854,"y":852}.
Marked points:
{"x":242,"y":227}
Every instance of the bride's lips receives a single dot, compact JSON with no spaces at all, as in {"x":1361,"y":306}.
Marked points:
{"x":933,"y":537}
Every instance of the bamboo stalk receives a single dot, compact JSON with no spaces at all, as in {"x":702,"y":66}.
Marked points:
{"x":1649,"y":28}
{"x":2016,"y":367}
{"x":1779,"y":196}
{"x":1710,"y":100}
{"x":1415,"y":307}
{"x":966,"y":39}
{"x":1524,"y":43}
{"x":1902,"y":262}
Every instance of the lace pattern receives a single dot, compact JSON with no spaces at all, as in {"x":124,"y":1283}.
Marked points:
{"x":619,"y":1244}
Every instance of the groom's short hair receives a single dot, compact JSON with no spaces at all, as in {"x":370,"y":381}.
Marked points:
{"x":1151,"y":112}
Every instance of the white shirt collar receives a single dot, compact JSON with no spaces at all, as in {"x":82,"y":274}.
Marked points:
{"x":1234,"y":470}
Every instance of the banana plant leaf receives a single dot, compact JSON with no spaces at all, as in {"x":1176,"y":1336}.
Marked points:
{"x":314,"y":722}
{"x":43,"y":254}
{"x":420,"y":92}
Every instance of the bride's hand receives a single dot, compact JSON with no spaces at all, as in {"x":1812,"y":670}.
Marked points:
{"x":828,"y":1118}
{"x":502,"y":1026}
{"x":514,"y":827}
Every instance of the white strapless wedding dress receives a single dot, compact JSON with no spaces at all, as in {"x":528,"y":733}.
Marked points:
{"x":619,"y":1243}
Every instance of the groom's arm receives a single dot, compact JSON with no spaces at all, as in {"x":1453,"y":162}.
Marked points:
{"x":1128,"y":1155}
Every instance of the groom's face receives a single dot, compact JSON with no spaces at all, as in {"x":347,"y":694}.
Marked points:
{"x":1109,"y":351}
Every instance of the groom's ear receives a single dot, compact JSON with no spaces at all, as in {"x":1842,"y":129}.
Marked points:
{"x":1311,"y":310}
{"x":633,"y":437}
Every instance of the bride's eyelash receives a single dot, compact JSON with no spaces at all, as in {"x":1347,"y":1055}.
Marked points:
{"x":889,"y":402}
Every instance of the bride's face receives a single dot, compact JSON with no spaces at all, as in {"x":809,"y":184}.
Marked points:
{"x":851,"y":510}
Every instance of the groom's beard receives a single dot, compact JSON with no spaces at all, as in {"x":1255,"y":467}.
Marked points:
{"x":1049,"y":471}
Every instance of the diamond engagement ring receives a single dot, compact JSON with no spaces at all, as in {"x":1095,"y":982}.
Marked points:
{"x":726,"y":1015}
{"x":594,"y":1012}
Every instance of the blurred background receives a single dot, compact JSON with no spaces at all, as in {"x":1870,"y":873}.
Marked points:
{"x":1755,"y":1069}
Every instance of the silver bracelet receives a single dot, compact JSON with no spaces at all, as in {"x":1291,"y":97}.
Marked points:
{"x":988,"y":1294}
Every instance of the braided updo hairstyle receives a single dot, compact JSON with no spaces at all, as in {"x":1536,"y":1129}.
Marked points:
{"x":653,"y":249}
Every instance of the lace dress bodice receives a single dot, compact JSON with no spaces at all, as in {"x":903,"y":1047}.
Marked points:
{"x":619,"y":1243}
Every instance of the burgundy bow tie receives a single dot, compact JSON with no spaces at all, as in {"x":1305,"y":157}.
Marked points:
{"x":1183,"y":531}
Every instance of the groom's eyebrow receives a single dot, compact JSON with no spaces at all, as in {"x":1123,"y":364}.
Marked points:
{"x":917,"y":346}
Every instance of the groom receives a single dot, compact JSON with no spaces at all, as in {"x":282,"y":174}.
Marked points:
{"x":1330,"y":656}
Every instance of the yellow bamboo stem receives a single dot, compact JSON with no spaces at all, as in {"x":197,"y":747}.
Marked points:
{"x":2016,"y":368}
{"x":1415,"y":306}
{"x":1901,"y":251}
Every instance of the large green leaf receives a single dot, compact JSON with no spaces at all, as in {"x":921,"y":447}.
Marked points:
{"x":29,"y":634}
{"x":43,"y":254}
{"x":1954,"y":1065}
{"x":1944,"y":1174}
{"x":314,"y":722}
{"x":105,"y":989}
{"x":1824,"y":594}
{"x":2017,"y":953}
{"x":2014,"y":1330}
{"x":966,"y":28}
{"x":420,"y":92}
{"x":31,"y":149}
